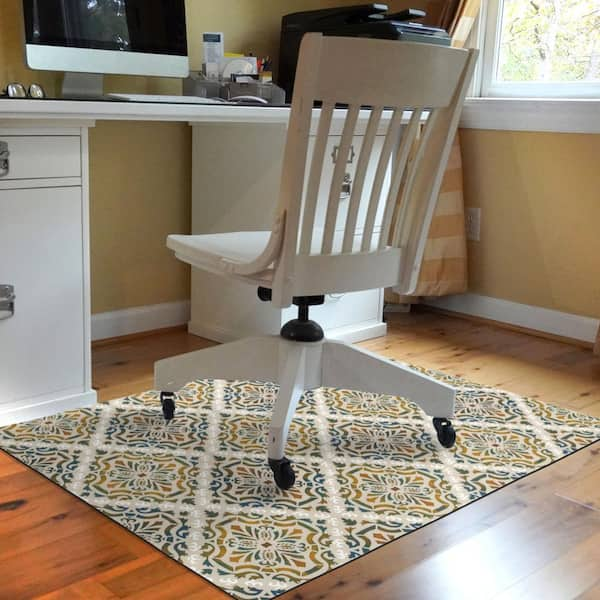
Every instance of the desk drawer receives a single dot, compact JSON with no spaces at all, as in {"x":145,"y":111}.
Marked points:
{"x":40,"y":157}
{"x":331,"y":150}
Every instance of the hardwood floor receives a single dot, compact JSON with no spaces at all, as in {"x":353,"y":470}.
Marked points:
{"x":538,"y":538}
{"x":125,"y":366}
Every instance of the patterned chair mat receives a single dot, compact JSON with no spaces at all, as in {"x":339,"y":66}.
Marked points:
{"x":369,"y":470}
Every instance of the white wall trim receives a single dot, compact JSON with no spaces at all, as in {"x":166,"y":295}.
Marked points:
{"x":142,"y":318}
{"x":532,"y":114}
{"x":45,"y":406}
{"x":554,"y":322}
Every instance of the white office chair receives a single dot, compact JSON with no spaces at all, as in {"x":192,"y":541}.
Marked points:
{"x":298,"y":263}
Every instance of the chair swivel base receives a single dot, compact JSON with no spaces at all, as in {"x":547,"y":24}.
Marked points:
{"x":299,"y":366}
{"x":298,"y":330}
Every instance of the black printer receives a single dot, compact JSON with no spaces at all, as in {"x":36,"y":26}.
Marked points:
{"x":365,"y":20}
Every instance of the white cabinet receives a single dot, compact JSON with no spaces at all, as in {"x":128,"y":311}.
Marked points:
{"x":235,"y":183}
{"x":327,"y":175}
{"x":44,"y":345}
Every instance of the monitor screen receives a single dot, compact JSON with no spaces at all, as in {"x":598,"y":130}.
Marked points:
{"x":145,"y":26}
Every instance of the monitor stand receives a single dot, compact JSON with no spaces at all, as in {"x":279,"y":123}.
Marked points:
{"x":83,"y":86}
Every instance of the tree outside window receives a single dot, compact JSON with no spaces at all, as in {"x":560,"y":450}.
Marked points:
{"x":546,"y":42}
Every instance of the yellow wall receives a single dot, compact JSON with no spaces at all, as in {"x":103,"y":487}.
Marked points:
{"x":540,"y":200}
{"x":140,"y":189}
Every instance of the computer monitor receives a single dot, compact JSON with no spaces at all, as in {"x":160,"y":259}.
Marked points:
{"x":130,"y":37}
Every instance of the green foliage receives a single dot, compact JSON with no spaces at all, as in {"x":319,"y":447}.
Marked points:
{"x":550,"y":41}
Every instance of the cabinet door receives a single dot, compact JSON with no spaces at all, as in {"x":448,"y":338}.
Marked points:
{"x":327,"y":175}
{"x":41,"y":346}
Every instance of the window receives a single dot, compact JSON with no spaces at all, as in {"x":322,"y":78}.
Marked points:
{"x":542,"y":48}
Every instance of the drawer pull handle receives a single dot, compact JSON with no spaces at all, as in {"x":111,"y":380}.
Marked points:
{"x":7,"y":302}
{"x":4,"y":159}
{"x":351,"y":157}
{"x":346,"y":187}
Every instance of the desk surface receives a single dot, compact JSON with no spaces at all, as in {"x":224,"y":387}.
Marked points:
{"x":12,"y":110}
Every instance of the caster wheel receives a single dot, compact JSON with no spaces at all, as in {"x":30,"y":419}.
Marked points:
{"x":167,"y":399}
{"x":282,"y":473}
{"x":445,"y":432}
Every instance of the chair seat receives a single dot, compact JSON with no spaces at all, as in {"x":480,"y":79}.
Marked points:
{"x":210,"y":250}
{"x":241,"y":246}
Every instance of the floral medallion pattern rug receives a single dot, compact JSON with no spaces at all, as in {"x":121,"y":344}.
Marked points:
{"x":369,"y":470}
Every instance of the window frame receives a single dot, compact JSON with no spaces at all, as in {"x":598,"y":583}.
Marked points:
{"x":488,"y":87}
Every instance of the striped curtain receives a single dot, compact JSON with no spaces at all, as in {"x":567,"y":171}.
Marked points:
{"x":444,"y":268}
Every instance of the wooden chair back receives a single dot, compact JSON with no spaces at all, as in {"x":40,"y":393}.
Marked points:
{"x":385,"y":246}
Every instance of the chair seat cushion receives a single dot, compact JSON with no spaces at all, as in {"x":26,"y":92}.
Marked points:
{"x":210,"y":250}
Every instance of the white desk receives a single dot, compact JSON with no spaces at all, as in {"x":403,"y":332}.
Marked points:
{"x":13,"y":111}
{"x":45,"y":348}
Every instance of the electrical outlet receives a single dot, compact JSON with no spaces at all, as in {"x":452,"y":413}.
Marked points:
{"x":473,"y":219}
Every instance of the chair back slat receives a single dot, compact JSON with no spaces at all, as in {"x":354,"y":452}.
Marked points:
{"x":391,"y":140}
{"x":359,"y":179}
{"x":314,"y":180}
{"x":407,"y":205}
{"x":407,"y":143}
{"x":338,"y":179}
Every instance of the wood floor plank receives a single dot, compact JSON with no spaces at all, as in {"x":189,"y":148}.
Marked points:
{"x":523,"y":537}
{"x":9,"y":466}
{"x":584,"y":491}
{"x":126,"y":367}
{"x":579,"y":568}
{"x":58,"y":565}
{"x":144,"y":578}
{"x":477,"y":565}
{"x":152,"y":558}
{"x":46,"y":515}
{"x":83,"y":590}
{"x":182,"y":587}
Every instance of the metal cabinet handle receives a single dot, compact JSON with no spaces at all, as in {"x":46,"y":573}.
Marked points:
{"x":346,"y":187}
{"x":351,"y":157}
{"x":4,"y":159}
{"x":7,"y":302}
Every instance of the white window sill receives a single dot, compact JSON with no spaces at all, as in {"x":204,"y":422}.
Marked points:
{"x":532,"y":114}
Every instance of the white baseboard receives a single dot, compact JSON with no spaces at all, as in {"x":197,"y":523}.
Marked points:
{"x":554,"y":322}
{"x":44,"y":407}
{"x":213,"y":332}
{"x":397,"y":308}
{"x":142,"y":318}
{"x":353,"y":334}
